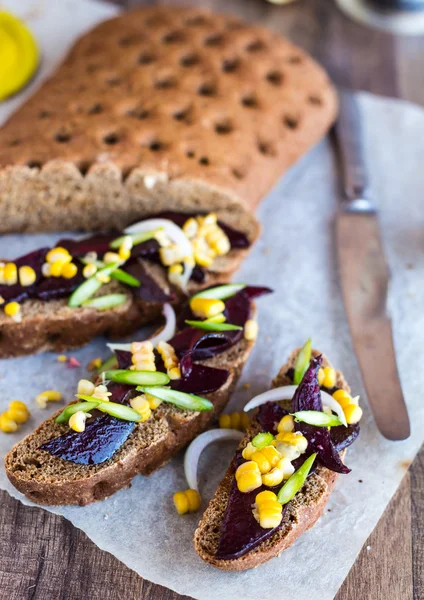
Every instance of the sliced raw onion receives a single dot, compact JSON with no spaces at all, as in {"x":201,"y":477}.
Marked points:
{"x":193,"y":452}
{"x":165,"y":334}
{"x":176,"y":234}
{"x":286,"y":392}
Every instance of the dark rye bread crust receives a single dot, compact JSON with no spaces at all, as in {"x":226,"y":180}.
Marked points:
{"x":50,"y":480}
{"x":301,"y":514}
{"x":211,"y":107}
{"x":53,"y":326}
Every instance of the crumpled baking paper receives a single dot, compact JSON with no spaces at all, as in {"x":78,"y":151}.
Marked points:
{"x":296,"y":256}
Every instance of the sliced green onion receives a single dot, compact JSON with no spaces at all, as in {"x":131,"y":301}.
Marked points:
{"x":90,"y":286}
{"x":106,"y":302}
{"x":73,"y":408}
{"x":208,"y":326}
{"x":317,"y":418}
{"x":295,"y":481}
{"x":137,"y":377}
{"x":120,"y":411}
{"x":262,"y":439}
{"x":109,"y":363}
{"x":126,"y":278}
{"x":221,"y":292}
{"x":220,"y":318}
{"x":180,"y":399}
{"x":136,"y":238}
{"x":302,"y":362}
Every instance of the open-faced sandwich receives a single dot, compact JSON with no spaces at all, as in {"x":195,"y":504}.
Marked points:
{"x":60,"y":298}
{"x":154,"y":398}
{"x":285,"y":467}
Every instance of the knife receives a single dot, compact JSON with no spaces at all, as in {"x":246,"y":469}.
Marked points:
{"x":365,"y":279}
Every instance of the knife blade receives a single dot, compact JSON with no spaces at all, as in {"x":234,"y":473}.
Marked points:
{"x":365,"y":279}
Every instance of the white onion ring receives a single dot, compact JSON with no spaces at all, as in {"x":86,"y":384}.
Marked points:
{"x":176,"y":234}
{"x":193,"y":452}
{"x":286,"y":392}
{"x":165,"y":334}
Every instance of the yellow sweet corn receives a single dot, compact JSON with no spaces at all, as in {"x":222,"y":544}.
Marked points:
{"x":265,"y":496}
{"x":12,"y":309}
{"x":271,"y":454}
{"x":218,"y":241}
{"x":56,"y":268}
{"x":236,"y":420}
{"x":45,"y":270}
{"x":103,"y":278}
{"x":27,"y":276}
{"x":77,"y":421}
{"x":101,"y":393}
{"x":205,"y":308}
{"x":281,"y":471}
{"x":187,"y":501}
{"x":248,"y":451}
{"x":69,"y":270}
{"x":89,"y":270}
{"x":190,"y":227}
{"x":286,"y":424}
{"x":62,"y":358}
{"x":169,"y":255}
{"x":153,"y":401}
{"x":143,"y":356}
{"x":203,"y":254}
{"x":7,"y":425}
{"x":174,"y":274}
{"x":18,"y":412}
{"x":142,"y":406}
{"x":321,"y":376}
{"x":85,"y":387}
{"x":145,"y":346}
{"x":111,"y":257}
{"x":251,"y":329}
{"x":48,"y":396}
{"x":217,"y":319}
{"x":90,"y":257}
{"x":294,"y":439}
{"x":2,"y":279}
{"x":329,"y":380}
{"x":267,"y":511}
{"x":248,"y":477}
{"x":266,"y":458}
{"x":170,"y":359}
{"x":353,"y":413}
{"x":58,"y":254}
{"x":94,"y":364}
{"x":10,"y":274}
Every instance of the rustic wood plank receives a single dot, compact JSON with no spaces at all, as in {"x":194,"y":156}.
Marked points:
{"x":43,"y":557}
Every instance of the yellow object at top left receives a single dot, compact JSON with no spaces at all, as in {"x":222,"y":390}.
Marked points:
{"x":19,"y":55}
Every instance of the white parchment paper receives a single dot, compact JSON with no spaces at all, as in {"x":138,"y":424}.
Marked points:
{"x":296,"y":257}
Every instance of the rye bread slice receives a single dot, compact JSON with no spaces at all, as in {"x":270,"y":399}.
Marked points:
{"x":301,"y":514}
{"x":50,"y":480}
{"x":53,"y":326}
{"x":161,"y":108}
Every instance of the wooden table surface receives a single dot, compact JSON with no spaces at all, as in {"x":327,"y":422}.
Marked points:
{"x":43,"y":557}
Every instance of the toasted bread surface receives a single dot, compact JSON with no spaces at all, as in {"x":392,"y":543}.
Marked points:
{"x":50,"y":480}
{"x":161,"y":108}
{"x":301,"y":513}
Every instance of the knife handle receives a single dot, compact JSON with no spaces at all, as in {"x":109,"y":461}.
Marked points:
{"x":348,"y":132}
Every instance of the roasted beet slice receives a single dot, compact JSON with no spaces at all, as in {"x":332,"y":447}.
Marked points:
{"x":18,"y":292}
{"x":103,"y":435}
{"x":149,"y":290}
{"x":99,"y":243}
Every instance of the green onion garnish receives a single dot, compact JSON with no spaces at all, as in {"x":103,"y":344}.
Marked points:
{"x":208,"y":326}
{"x":120,"y":411}
{"x":180,"y":399}
{"x":262,"y":439}
{"x":221,"y":292}
{"x":302,"y":362}
{"x":317,"y":418}
{"x":73,"y":408}
{"x":136,"y":238}
{"x":108,"y":364}
{"x":137,"y":377}
{"x":125,"y":277}
{"x":106,"y":302}
{"x":295,"y":481}
{"x":90,"y":286}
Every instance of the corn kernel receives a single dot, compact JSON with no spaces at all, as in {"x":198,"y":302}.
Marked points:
{"x":353,"y":413}
{"x":85,"y":387}
{"x":225,"y":422}
{"x":7,"y":425}
{"x":48,"y":396}
{"x":295,"y":439}
{"x":321,"y":376}
{"x":174,"y":373}
{"x":267,"y":511}
{"x":209,"y":219}
{"x":206,"y":308}
{"x":56,"y":268}
{"x":18,"y":411}
{"x":249,"y":480}
{"x":286,"y":424}
{"x":181,"y":503}
{"x":265,"y":496}
{"x":262,"y":461}
{"x":101,"y":393}
{"x":251,"y":330}
{"x":45,"y":270}
{"x":162,"y":238}
{"x":58,"y":253}
{"x":27,"y":276}
{"x":2,"y":300}
{"x":246,"y":467}
{"x":69,"y":270}
{"x":103,"y":278}
{"x":174,"y":274}
{"x":144,"y":365}
{"x":12,"y":309}
{"x":153,"y":401}
{"x":271,"y":454}
{"x":248,"y":451}
{"x":190,"y":227}
{"x":142,"y":406}
{"x":235,"y":420}
{"x":90,"y":257}
{"x":217,"y":319}
{"x":145,"y":346}
{"x":170,"y":255}
{"x":94,"y":364}
{"x":62,"y":358}
{"x":329,"y":377}
{"x":170,"y":359}
{"x":89,"y":270}
{"x":194,"y":500}
{"x":203,"y":254}
{"x":127,"y":243}
{"x":2,"y":279}
{"x":124,"y":253}
{"x":269,"y":520}
{"x":273,"y":477}
{"x":77,"y":421}
{"x":10,"y":274}
{"x":111,"y":257}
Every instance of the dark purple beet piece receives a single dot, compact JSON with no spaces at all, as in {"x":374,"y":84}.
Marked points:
{"x":308,"y":397}
{"x":201,"y":380}
{"x":54,"y":288}
{"x":269,"y":415}
{"x":124,"y":359}
{"x":18,"y":292}
{"x":149,"y":290}
{"x":103,"y":435}
{"x":96,"y":243}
